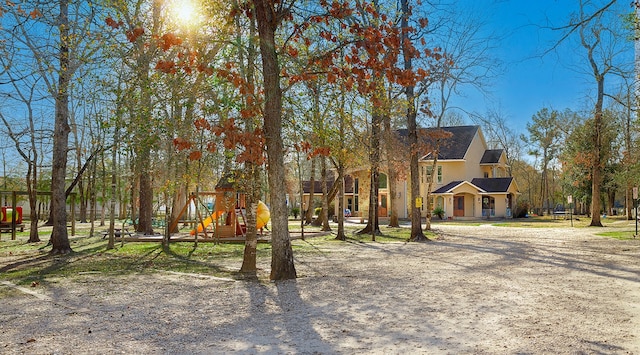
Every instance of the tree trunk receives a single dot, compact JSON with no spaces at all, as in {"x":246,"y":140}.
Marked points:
{"x":145,"y":213}
{"x":308,"y":213}
{"x":596,"y":181}
{"x":373,"y":226}
{"x":32,"y":180}
{"x":325,"y":195}
{"x":282,"y":266}
{"x":416,"y":219}
{"x":391,"y":173}
{"x":59,"y":237}
{"x":249,"y":259}
{"x":341,"y":235}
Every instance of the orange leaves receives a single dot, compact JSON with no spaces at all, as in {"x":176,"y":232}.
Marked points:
{"x":305,"y":147}
{"x":202,"y":123}
{"x":169,"y":40}
{"x":181,"y":144}
{"x":34,"y":14}
{"x":293,"y":52}
{"x":168,"y":67}
{"x":112,"y":23}
{"x":195,"y":155}
{"x":134,"y":34}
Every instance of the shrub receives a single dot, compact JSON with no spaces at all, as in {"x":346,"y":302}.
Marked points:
{"x":295,"y":211}
{"x":438,"y":211}
{"x":521,"y":210}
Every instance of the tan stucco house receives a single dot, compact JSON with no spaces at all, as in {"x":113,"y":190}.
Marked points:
{"x":470,"y":182}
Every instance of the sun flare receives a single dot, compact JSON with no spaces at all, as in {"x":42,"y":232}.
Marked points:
{"x":184,"y":12}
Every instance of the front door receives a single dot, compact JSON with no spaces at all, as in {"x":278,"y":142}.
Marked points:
{"x":382,"y":207}
{"x":458,"y":206}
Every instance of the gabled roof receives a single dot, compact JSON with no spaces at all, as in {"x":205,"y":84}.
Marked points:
{"x":483,"y":185}
{"x":227,"y":182}
{"x":491,"y":156}
{"x":317,"y":185}
{"x":448,"y":188}
{"x":452,"y":148}
{"x":493,"y":184}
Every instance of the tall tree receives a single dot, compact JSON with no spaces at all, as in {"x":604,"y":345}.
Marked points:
{"x":412,"y":130}
{"x":544,"y":134}
{"x":59,"y":237}
{"x":269,"y":15}
{"x":599,"y":30}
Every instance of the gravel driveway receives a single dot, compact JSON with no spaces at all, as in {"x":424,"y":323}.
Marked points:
{"x":476,"y":290}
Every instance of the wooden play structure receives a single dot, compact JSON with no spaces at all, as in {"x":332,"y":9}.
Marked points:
{"x":227,"y":218}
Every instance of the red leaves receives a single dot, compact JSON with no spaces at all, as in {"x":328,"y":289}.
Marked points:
{"x":35,"y":14}
{"x":195,"y":155}
{"x":202,"y":123}
{"x":134,"y":34}
{"x":181,"y":144}
{"x":305,"y":147}
{"x":169,"y":40}
{"x":112,"y":23}
{"x":168,"y":67}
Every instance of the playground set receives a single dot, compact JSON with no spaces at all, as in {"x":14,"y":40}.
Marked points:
{"x":226,"y":217}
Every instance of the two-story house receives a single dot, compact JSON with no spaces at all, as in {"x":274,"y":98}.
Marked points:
{"x":470,"y":181}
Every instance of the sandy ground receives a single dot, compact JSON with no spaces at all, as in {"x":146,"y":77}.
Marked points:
{"x":476,"y":290}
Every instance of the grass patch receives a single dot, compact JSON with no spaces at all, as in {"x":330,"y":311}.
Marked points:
{"x":620,"y":235}
{"x":23,"y":263}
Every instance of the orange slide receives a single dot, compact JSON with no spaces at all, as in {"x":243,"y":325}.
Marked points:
{"x":262,"y":217}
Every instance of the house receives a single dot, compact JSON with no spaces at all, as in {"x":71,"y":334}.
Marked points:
{"x":470,"y":182}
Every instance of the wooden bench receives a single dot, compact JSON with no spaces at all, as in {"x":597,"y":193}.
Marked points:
{"x":4,"y":227}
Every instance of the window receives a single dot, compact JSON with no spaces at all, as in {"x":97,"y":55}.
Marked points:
{"x":439,"y":174}
{"x":486,"y":175}
{"x":382,"y":181}
{"x":429,"y":171}
{"x":356,"y":204}
{"x":355,"y":186}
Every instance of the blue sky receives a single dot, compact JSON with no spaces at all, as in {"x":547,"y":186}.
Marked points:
{"x":530,"y":80}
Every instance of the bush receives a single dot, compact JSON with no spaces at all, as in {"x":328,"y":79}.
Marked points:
{"x":521,"y":210}
{"x":295,"y":211}
{"x":438,"y":211}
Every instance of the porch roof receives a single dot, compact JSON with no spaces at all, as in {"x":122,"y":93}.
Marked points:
{"x":493,"y":184}
{"x":482,"y":185}
{"x":450,"y":187}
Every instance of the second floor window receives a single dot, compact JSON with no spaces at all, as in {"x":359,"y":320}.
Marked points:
{"x":382,"y":181}
{"x":438,"y":175}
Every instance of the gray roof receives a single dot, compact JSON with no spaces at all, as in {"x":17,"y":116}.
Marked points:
{"x":486,"y":184}
{"x":493,"y":184}
{"x":444,"y":189}
{"x":317,"y":185}
{"x":453,"y":148}
{"x":491,"y":156}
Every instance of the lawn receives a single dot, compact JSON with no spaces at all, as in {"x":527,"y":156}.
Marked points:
{"x":26,"y":263}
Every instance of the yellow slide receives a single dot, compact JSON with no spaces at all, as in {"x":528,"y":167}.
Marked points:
{"x":262,"y":215}
{"x":207,"y":221}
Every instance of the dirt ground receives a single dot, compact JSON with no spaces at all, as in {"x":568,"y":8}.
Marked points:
{"x":476,"y":290}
